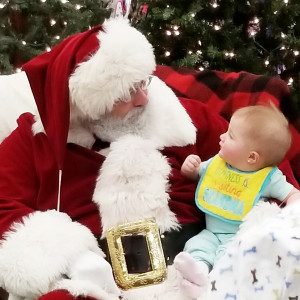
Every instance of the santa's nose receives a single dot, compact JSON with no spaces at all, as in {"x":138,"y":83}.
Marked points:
{"x":140,"y":97}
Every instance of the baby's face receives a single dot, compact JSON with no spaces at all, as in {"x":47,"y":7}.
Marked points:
{"x":235,"y":145}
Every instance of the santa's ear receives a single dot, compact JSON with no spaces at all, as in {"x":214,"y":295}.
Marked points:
{"x":253,"y":157}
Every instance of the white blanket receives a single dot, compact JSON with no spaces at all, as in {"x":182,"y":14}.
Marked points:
{"x":263,"y":262}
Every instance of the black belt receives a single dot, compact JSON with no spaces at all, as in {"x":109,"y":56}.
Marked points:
{"x":136,"y":250}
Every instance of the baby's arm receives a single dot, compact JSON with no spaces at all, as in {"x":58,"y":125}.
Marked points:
{"x":190,"y":167}
{"x":293,"y":196}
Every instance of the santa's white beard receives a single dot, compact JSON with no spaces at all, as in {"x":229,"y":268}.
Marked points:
{"x":110,"y":128}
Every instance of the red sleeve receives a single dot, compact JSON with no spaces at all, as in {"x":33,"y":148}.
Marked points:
{"x":18,"y":182}
{"x":63,"y":295}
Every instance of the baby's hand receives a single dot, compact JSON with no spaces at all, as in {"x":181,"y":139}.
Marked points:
{"x":190,"y":167}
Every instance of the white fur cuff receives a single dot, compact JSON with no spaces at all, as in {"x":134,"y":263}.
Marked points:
{"x":36,"y":253}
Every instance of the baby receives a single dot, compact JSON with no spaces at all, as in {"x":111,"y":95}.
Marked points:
{"x":231,"y":183}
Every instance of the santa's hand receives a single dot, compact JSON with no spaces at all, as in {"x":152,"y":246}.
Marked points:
{"x":95,"y":269}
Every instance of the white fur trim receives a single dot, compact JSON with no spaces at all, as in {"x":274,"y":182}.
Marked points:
{"x":36,"y":254}
{"x":133,"y":185}
{"x":124,"y":58}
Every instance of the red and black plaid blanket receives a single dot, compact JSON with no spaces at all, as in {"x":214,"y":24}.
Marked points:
{"x":225,"y":92}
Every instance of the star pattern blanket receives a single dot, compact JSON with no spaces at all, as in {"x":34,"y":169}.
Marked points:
{"x":225,"y":92}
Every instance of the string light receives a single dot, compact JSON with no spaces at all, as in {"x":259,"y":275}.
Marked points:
{"x":43,"y":1}
{"x":167,"y":53}
{"x":290,"y":82}
{"x":193,"y":15}
{"x":2,"y":5}
{"x":201,"y":68}
{"x":296,"y":52}
{"x":267,"y":62}
{"x":24,"y":43}
{"x":217,"y":27}
{"x":229,"y":54}
{"x":78,"y":6}
{"x":52,"y":22}
{"x":48,"y":49}
{"x":168,"y":32}
{"x":57,"y":37}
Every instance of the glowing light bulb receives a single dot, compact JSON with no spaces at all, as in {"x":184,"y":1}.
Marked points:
{"x":200,"y":68}
{"x":290,"y":82}
{"x":52,"y":22}
{"x":267,"y":62}
{"x":217,"y":27}
{"x":48,"y":49}
{"x":296,"y":52}
{"x":167,"y":53}
{"x":168,"y":32}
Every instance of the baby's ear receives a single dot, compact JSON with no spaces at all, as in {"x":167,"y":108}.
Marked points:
{"x":253,"y":157}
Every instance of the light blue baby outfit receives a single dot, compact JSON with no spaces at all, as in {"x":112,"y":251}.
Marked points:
{"x":210,"y":244}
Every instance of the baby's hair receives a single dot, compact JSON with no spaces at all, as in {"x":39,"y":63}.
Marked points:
{"x":269,"y":131}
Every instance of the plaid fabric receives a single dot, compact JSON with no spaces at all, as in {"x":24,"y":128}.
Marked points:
{"x":225,"y":92}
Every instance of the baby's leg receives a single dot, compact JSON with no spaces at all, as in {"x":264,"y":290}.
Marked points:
{"x":194,"y":273}
{"x":190,"y":269}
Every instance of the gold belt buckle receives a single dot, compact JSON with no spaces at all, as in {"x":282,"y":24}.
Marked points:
{"x":149,"y":229}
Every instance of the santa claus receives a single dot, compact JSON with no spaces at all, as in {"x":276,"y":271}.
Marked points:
{"x":95,"y":173}
{"x":92,"y":203}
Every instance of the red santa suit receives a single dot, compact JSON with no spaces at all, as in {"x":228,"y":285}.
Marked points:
{"x":49,"y":168}
{"x":58,"y":172}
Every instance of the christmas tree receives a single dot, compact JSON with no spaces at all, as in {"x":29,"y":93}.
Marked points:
{"x":30,"y":27}
{"x":258,"y":36}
